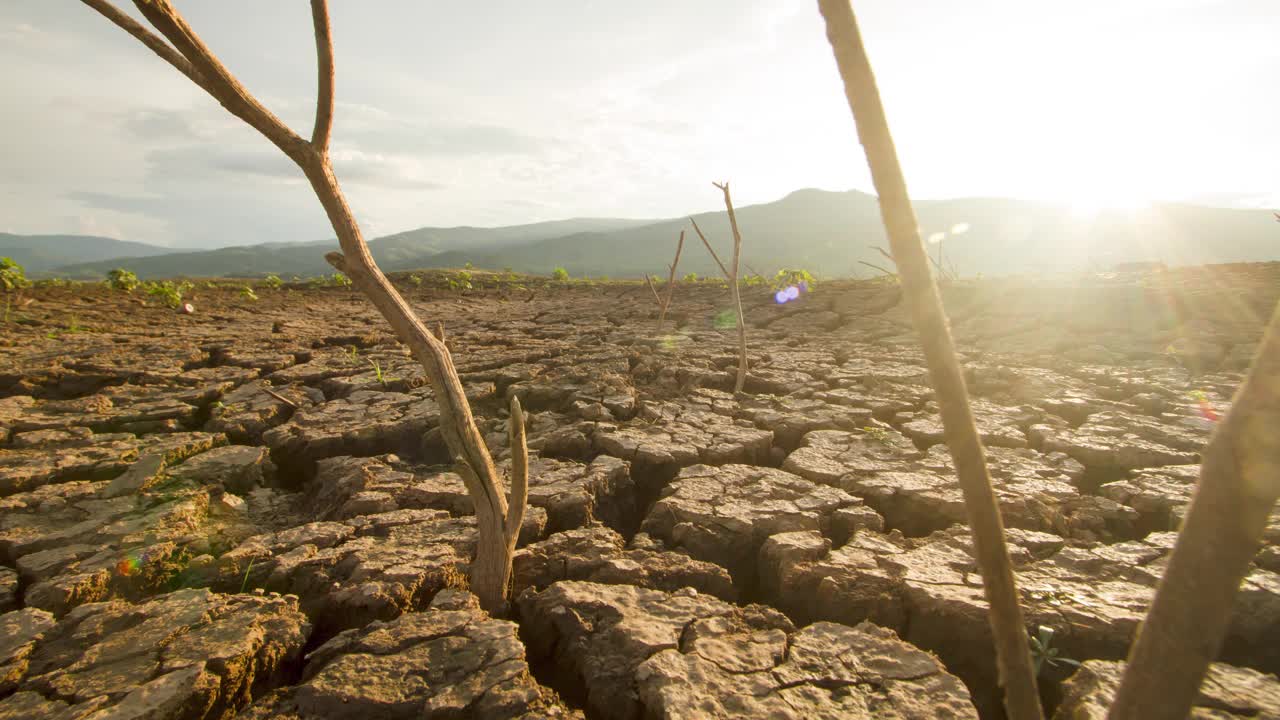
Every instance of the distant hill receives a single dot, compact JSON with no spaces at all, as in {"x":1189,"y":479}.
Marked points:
{"x":414,"y":248}
{"x":828,"y":233}
{"x":832,"y":234}
{"x":39,"y":253}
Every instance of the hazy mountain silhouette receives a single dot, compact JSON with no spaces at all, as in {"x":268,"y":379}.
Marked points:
{"x":828,"y":233}
{"x":38,"y":253}
{"x":407,"y":249}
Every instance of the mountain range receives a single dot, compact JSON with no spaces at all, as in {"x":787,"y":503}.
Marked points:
{"x":831,"y":234}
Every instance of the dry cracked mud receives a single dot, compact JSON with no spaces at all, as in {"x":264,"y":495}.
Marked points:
{"x":249,"y":512}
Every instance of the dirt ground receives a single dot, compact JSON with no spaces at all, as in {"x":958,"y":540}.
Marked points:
{"x":247,"y":511}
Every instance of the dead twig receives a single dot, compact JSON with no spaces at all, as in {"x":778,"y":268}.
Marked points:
{"x":890,"y":273}
{"x":1013,"y":657}
{"x":671,"y":282}
{"x":280,"y":397}
{"x":491,"y":567}
{"x":732,"y":276}
{"x":649,"y":281}
{"x":1239,"y":485}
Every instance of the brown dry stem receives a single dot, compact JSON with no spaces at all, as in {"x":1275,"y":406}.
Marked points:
{"x":1239,"y":485}
{"x":1012,"y":648}
{"x":491,"y":568}
{"x":731,"y":274}
{"x":671,"y":282}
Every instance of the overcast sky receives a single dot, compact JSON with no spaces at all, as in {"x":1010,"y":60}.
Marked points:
{"x":513,"y":111}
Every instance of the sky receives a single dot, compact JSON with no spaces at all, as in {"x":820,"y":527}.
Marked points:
{"x":510,"y":112}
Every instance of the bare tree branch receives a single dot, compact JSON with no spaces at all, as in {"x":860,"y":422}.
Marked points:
{"x":671,"y":282}
{"x":737,"y":291}
{"x":877,"y":267}
{"x":710,"y":249}
{"x":1013,"y":657}
{"x":649,"y":281}
{"x":280,"y":397}
{"x":219,"y":82}
{"x":491,"y":566}
{"x":884,"y":253}
{"x":519,"y":473}
{"x":1239,"y":485}
{"x":148,"y":38}
{"x":324,"y":76}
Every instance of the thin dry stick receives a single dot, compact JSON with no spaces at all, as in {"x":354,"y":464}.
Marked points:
{"x":671,"y":282}
{"x":890,"y":273}
{"x":732,"y":277}
{"x":884,"y":253}
{"x":1012,"y":651}
{"x":1239,"y":485}
{"x":710,"y":249}
{"x":280,"y":397}
{"x":491,"y":568}
{"x":649,"y":281}
{"x":737,"y":294}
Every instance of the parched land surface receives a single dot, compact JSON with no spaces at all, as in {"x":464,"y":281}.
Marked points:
{"x":248,"y":511}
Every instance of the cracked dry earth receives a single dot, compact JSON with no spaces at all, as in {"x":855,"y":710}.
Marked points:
{"x":248,"y":512}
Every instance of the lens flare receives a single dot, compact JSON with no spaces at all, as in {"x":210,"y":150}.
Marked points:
{"x":789,"y":293}
{"x":1206,"y":409}
{"x":130,"y":564}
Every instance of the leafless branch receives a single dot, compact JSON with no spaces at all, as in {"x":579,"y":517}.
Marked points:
{"x":280,"y":397}
{"x":671,"y":282}
{"x":710,"y":249}
{"x":519,"y":492}
{"x":877,"y":267}
{"x":148,"y":38}
{"x":1239,"y":485}
{"x":324,"y":74}
{"x":1013,"y":656}
{"x":491,"y":566}
{"x":884,"y":253}
{"x":649,"y":281}
{"x":219,"y":82}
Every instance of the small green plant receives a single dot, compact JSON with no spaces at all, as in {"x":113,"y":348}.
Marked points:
{"x":460,"y":280}
{"x":12,"y":279}
{"x":753,"y":280}
{"x":878,"y":434}
{"x":339,"y":280}
{"x":353,"y":352}
{"x":415,"y":280}
{"x":789,"y":277}
{"x":245,"y":583}
{"x":560,"y":275}
{"x":122,"y":280}
{"x":377,"y":371}
{"x":72,"y":327}
{"x":1042,"y":652}
{"x":273,"y":281}
{"x":247,"y":293}
{"x":468,"y":266}
{"x":690,"y":278}
{"x":168,"y":292}
{"x":315,"y":282}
